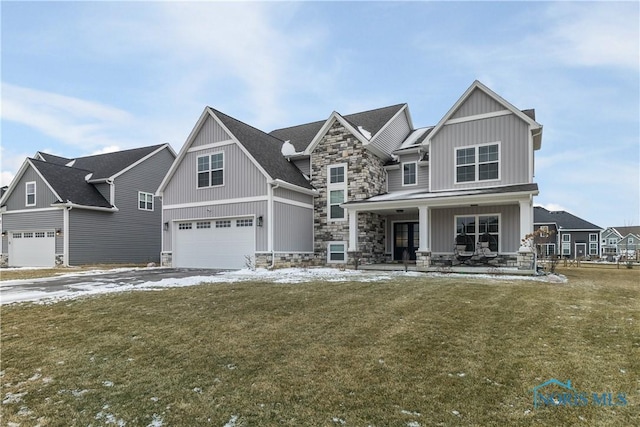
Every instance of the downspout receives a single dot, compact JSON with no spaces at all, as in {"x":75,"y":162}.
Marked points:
{"x":270,"y":210}
{"x":65,"y":235}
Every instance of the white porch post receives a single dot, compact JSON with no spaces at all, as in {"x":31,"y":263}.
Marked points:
{"x":424,"y":212}
{"x":526,"y":217}
{"x":353,"y":230}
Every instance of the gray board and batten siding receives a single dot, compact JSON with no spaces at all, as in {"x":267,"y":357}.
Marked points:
{"x":209,"y":133}
{"x":478,"y":102}
{"x":509,"y":131}
{"x":98,"y":236}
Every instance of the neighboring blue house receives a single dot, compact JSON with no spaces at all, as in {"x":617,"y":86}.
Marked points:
{"x":565,"y":234}
{"x":624,"y":241}
{"x":369,"y":185}
{"x":87,"y":210}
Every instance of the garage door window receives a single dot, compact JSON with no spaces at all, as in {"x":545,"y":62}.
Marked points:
{"x":184,"y":226}
{"x":223,"y":224}
{"x":203,"y":224}
{"x":244,"y":223}
{"x":17,"y":235}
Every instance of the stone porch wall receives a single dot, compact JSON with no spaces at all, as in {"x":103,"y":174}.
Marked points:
{"x":286,"y":260}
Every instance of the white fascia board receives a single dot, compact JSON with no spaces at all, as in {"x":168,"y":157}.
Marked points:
{"x":325,"y":128}
{"x":183,"y":151}
{"x":477,"y":85}
{"x":21,"y":211}
{"x":91,"y":208}
{"x":453,"y":201}
{"x":21,"y":171}
{"x":293,"y":187}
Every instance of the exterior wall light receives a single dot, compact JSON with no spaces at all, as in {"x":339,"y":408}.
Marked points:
{"x":260,"y":221}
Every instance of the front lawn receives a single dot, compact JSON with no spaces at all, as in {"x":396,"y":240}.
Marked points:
{"x":412,"y":351}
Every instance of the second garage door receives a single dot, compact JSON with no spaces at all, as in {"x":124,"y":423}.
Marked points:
{"x":221,"y":243}
{"x":32,"y":249}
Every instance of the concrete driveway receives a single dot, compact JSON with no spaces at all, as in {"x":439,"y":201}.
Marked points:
{"x":72,"y":285}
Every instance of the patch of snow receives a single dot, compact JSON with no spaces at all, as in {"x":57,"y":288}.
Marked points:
{"x":197,"y":390}
{"x":107,"y":383}
{"x":365,"y":132}
{"x":288,"y":149}
{"x":232,"y":421}
{"x":337,"y":420}
{"x":13,"y":398}
{"x":405,"y":412}
{"x":413,"y":424}
{"x":156,"y":421}
{"x":79,"y":393}
{"x":456,"y":413}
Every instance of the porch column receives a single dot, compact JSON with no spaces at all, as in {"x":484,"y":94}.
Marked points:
{"x":353,"y":230}
{"x":424,"y":212}
{"x":526,"y":217}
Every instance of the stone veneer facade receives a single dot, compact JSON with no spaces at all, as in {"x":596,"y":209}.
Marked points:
{"x":366,"y":177}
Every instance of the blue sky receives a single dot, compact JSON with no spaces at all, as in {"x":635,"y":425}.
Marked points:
{"x":80,"y":78}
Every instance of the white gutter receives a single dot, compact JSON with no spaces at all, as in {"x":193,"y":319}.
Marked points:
{"x":69,"y":204}
{"x":65,"y":236}
{"x":270,"y":233}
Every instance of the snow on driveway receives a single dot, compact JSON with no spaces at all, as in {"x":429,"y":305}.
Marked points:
{"x":86,"y":283}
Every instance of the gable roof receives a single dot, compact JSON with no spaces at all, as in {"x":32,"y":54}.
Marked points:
{"x":372,"y":121}
{"x":625,"y":231}
{"x":562,"y":219}
{"x":526,"y":116}
{"x":265,"y":149}
{"x":69,"y":184}
{"x":71,"y":180}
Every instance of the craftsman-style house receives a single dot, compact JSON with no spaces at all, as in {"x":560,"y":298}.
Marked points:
{"x":87,"y":210}
{"x":369,"y":186}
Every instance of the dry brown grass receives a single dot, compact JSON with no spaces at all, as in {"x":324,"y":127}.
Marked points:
{"x":28,"y":273}
{"x":385,"y":353}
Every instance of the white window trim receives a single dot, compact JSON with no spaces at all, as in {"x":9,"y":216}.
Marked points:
{"x":593,"y":238}
{"x":329,"y":260}
{"x":568,"y":238}
{"x":477,"y":221}
{"x":476,"y":163}
{"x":26,"y":194}
{"x":593,"y":250}
{"x":224,"y":165}
{"x":403,"y":176}
{"x":566,"y":248}
{"x":336,"y":187}
{"x":153,"y":205}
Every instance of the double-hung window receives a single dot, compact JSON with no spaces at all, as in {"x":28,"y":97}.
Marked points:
{"x":410,"y":173}
{"x":478,"y":163}
{"x":30,"y":193}
{"x":336,"y":191}
{"x":145,"y":201}
{"x":566,"y":244}
{"x":211,"y":170}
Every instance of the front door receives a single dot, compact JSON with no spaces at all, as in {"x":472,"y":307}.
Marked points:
{"x":581,"y":250}
{"x":406,"y":237}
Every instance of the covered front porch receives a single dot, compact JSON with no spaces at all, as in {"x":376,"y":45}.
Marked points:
{"x":421,"y":229}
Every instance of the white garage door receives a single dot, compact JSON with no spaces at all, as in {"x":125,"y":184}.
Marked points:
{"x":221,"y":243}
{"x":32,"y":249}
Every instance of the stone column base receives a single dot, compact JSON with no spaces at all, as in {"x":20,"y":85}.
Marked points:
{"x":423,"y":259}
{"x":526,"y":261}
{"x":166,"y":259}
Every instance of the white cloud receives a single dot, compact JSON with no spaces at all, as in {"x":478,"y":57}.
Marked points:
{"x":67,"y":119}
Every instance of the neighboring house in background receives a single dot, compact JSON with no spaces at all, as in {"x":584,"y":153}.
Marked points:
{"x":368,"y":185}
{"x":565,"y":234}
{"x":621,"y":241}
{"x":94,"y":209}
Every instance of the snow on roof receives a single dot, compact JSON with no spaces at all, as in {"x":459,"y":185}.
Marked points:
{"x":365,"y":132}
{"x":413,"y":137}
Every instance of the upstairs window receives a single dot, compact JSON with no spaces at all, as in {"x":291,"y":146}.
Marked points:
{"x":336,"y":191}
{"x":409,"y":173}
{"x":145,"y":201}
{"x":478,"y":163}
{"x":211,"y":170}
{"x":30,"y":190}
{"x":593,"y":237}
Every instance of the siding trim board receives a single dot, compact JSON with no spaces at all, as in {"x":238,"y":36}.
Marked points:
{"x":216,"y":202}
{"x":209,"y":146}
{"x":478,"y":117}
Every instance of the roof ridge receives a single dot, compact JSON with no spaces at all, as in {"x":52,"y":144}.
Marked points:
{"x":116,"y":152}
{"x":58,"y":165}
{"x":246,"y":124}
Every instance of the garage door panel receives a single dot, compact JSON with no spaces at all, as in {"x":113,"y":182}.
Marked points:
{"x":214,"y":243}
{"x":32,"y":249}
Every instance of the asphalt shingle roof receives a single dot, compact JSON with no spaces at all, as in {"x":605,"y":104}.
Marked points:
{"x":371,"y":121}
{"x":70,"y":184}
{"x":266,"y":149}
{"x":108,"y":164}
{"x":562,"y":218}
{"x":50,"y":158}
